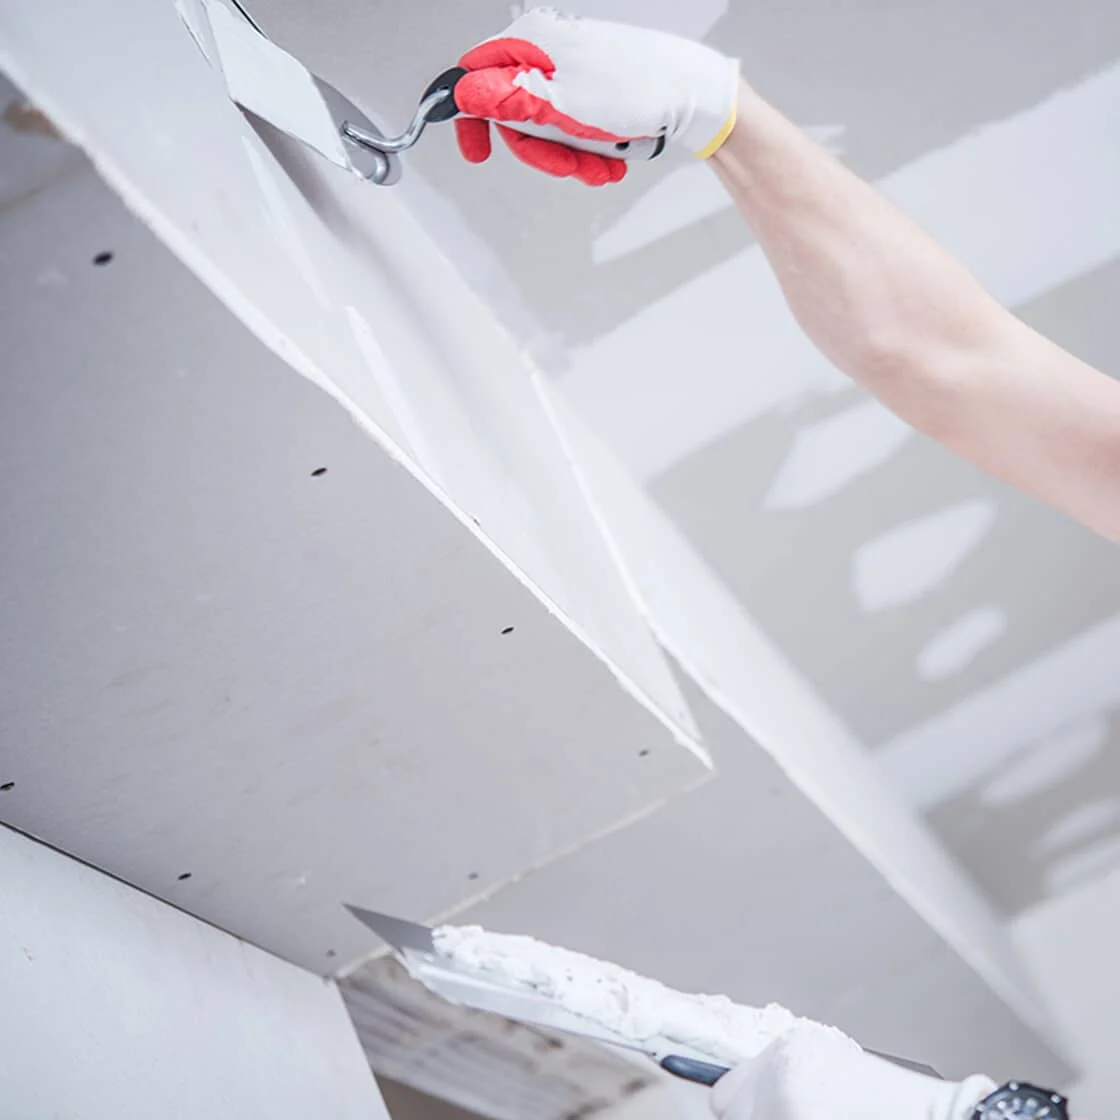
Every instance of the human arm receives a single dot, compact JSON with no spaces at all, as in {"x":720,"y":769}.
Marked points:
{"x":880,"y":298}
{"x":890,"y":307}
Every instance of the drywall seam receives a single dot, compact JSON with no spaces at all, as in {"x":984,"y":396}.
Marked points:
{"x":493,"y":889}
{"x":975,"y":934}
{"x":277,"y":340}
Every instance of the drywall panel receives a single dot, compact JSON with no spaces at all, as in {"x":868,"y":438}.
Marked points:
{"x":337,"y":277}
{"x":721,"y":648}
{"x":118,"y":1007}
{"x":246,"y":662}
{"x":745,"y":887}
{"x":782,"y":477}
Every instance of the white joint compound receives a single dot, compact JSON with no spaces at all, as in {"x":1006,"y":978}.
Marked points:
{"x":622,"y":1001}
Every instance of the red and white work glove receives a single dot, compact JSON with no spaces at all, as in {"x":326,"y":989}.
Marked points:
{"x":592,"y":80}
{"x":813,"y":1072}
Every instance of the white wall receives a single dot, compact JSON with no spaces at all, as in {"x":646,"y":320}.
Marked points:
{"x":117,"y":1006}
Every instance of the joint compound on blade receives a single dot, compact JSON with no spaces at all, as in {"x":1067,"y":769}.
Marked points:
{"x":615,"y":998}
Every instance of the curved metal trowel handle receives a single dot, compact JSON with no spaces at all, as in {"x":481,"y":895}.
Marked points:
{"x":642,"y":148}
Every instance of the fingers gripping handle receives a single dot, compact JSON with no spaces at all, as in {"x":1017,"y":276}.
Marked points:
{"x":639,"y":148}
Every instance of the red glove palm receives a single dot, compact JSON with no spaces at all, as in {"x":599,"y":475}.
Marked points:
{"x":488,"y":93}
{"x":596,"y":83}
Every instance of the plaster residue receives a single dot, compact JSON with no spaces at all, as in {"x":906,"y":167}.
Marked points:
{"x":829,"y":454}
{"x":283,"y":224}
{"x":913,"y":558}
{"x":617,"y":999}
{"x":1081,"y":824}
{"x":968,"y":744}
{"x":1048,"y":763}
{"x":1083,"y":865}
{"x":954,"y":648}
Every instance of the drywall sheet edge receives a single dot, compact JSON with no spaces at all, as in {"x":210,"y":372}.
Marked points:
{"x":747,"y":677}
{"x":336,"y":277}
{"x":118,"y":1007}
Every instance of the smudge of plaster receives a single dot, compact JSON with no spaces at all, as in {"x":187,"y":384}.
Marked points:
{"x":1083,"y":865}
{"x":21,"y":116}
{"x":479,"y":262}
{"x":828,"y":455}
{"x":404,"y":416}
{"x":911,"y":559}
{"x":687,"y":195}
{"x":959,"y":644}
{"x":1078,"y":825}
{"x":283,"y":224}
{"x":1046,"y":764}
{"x":962,"y":746}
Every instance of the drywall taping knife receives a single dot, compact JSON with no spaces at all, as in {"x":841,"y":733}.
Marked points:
{"x":438,"y":104}
{"x":276,"y":87}
{"x":414,"y":947}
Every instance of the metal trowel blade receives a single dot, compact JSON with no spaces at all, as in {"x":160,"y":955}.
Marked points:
{"x":415,"y":948}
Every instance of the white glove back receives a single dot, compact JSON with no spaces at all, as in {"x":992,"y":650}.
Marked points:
{"x":816,"y":1073}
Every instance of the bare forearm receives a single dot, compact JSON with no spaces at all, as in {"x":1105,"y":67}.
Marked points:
{"x":867,"y":285}
{"x":897,"y":313}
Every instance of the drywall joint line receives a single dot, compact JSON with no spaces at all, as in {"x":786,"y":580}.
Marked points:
{"x":273,"y":336}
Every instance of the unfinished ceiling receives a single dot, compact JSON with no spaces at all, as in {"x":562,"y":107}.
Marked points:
{"x":247,"y":659}
{"x":951,"y":623}
{"x":259,"y":689}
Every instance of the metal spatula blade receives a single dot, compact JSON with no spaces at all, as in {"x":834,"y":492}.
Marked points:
{"x":399,"y":935}
{"x":415,"y":948}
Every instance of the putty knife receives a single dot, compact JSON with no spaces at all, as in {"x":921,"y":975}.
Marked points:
{"x":276,"y":87}
{"x":413,"y":945}
{"x":438,"y":103}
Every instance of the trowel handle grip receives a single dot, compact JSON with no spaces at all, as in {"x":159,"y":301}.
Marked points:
{"x":691,"y":1069}
{"x":640,"y":148}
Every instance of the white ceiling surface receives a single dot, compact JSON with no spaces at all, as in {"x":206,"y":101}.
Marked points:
{"x":177,"y":709}
{"x":293,"y":688}
{"x":338,"y":278}
{"x":743,"y":887}
{"x":267,"y":857}
{"x":940,"y":615}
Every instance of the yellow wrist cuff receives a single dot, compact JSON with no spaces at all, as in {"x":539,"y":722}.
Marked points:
{"x":716,"y":141}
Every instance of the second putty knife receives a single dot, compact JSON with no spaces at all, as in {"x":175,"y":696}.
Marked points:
{"x":413,"y":945}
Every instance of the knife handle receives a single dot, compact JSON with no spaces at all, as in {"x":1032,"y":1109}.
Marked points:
{"x":707,"y":1073}
{"x":641,"y":147}
{"x":690,"y":1069}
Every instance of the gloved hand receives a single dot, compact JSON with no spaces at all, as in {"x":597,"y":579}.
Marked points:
{"x":816,"y":1073}
{"x":595,"y":81}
